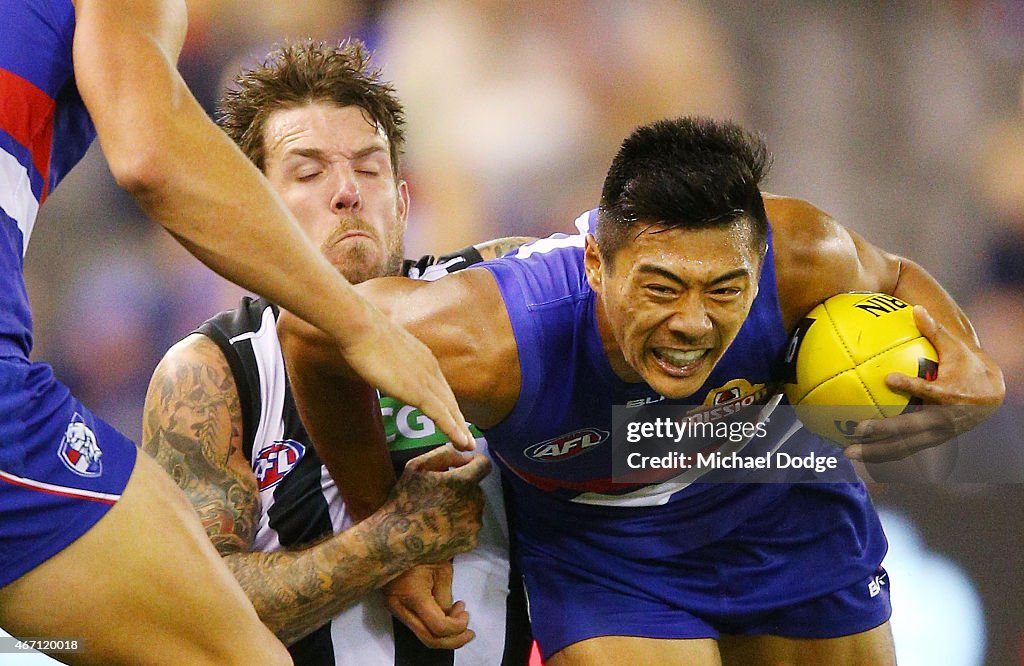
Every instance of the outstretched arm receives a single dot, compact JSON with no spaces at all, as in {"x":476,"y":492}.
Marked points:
{"x":187,"y":175}
{"x":817,"y":258}
{"x":462,"y":319}
{"x":193,"y":427}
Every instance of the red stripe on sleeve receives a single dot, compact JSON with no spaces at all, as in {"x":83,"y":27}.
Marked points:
{"x":26,"y":113}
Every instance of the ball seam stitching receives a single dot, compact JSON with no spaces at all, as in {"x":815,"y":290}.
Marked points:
{"x":854,"y":364}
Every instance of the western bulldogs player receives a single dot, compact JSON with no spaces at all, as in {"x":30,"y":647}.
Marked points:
{"x":678,"y":287}
{"x":83,"y":524}
{"x":221,"y":420}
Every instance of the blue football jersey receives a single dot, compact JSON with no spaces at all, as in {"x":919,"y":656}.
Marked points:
{"x":44,"y":131}
{"x":652,"y":538}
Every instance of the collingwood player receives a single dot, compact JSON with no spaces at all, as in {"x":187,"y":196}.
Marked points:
{"x":221,"y":420}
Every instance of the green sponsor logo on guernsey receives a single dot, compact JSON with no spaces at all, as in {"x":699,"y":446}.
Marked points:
{"x":407,"y":428}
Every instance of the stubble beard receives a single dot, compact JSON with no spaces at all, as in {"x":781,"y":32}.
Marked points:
{"x":359,"y":263}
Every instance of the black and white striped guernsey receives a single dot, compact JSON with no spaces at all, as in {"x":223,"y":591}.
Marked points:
{"x":300,"y":504}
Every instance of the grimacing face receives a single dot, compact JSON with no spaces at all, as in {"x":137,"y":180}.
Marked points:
{"x":331,"y":166}
{"x":672,"y":301}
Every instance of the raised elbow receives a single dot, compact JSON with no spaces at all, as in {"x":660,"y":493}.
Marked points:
{"x":138,"y":168}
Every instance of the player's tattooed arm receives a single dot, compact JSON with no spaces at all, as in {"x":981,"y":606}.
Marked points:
{"x":193,"y":428}
{"x":499,"y":247}
{"x":430,"y":516}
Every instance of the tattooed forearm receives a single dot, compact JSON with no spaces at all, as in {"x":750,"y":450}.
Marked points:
{"x":295,"y":592}
{"x":499,"y":247}
{"x":424,"y":520}
{"x":192,"y":427}
{"x":428,"y":518}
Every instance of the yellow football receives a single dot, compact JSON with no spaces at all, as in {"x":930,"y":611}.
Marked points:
{"x":840,"y":354}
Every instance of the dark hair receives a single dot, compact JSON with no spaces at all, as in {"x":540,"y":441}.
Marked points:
{"x":689,"y":172}
{"x":303,"y":72}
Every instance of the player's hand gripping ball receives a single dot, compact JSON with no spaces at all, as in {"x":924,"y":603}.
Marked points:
{"x":839,"y":356}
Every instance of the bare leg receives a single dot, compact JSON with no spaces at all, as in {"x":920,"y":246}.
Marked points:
{"x":869,"y":648}
{"x":143,"y":586}
{"x":637,"y":652}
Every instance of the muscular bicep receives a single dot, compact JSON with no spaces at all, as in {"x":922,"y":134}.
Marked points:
{"x":193,"y":428}
{"x":816,"y":257}
{"x":463,"y":320}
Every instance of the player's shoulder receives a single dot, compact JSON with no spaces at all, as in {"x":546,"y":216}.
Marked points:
{"x":430,"y":268}
{"x":548,"y":269}
{"x":250,"y":317}
{"x":214,"y":344}
{"x":815,"y":256}
{"x":43,"y":17}
{"x":559,"y":248}
{"x":192,"y":356}
{"x":35,"y":44}
{"x":806,"y":240}
{"x":798,"y":226}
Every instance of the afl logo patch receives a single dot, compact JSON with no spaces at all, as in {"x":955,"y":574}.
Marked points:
{"x":78,"y":449}
{"x":275,"y":461}
{"x":566,"y":446}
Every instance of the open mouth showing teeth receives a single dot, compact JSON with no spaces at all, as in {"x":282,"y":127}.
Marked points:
{"x":679,"y":358}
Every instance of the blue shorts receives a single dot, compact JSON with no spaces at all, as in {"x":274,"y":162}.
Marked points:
{"x":801,"y":561}
{"x":61,"y":467}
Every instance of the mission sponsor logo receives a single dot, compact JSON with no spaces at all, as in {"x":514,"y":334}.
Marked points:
{"x":275,"y":461}
{"x":730,"y":398}
{"x":566,"y":446}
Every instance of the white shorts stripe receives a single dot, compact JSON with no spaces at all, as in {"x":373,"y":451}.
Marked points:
{"x":16,"y":198}
{"x":64,"y":491}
